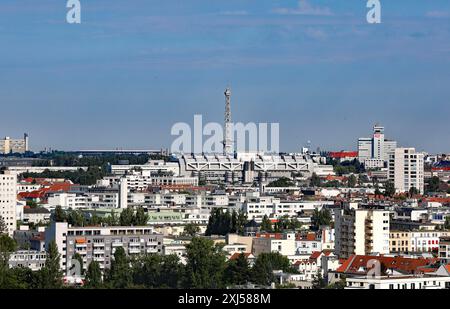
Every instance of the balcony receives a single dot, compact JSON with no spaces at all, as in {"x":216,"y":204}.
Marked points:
{"x":134,"y":250}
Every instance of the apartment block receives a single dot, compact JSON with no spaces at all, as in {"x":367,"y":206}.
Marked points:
{"x":8,"y":200}
{"x":361,"y":231}
{"x":100,"y":243}
{"x":406,"y":170}
{"x":9,"y":145}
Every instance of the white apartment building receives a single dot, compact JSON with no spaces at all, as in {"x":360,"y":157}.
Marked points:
{"x":406,"y":169}
{"x":274,"y":208}
{"x":427,"y":241}
{"x":361,"y":232}
{"x":401,"y":282}
{"x":285,"y":245}
{"x":31,"y":259}
{"x":99,"y":243}
{"x":8,"y":200}
{"x":9,"y":145}
{"x":153,"y":166}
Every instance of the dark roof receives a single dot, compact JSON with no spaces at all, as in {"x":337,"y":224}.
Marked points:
{"x":36,"y":211}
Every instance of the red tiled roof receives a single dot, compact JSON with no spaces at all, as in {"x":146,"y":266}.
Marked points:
{"x":355,"y":263}
{"x":343,"y":154}
{"x":315,"y":255}
{"x":236,"y":255}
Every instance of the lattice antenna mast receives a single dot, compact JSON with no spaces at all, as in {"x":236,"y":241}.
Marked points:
{"x":227,"y":138}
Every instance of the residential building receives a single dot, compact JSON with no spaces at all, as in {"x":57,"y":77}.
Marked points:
{"x":361,"y":231}
{"x":9,"y":145}
{"x":99,"y":243}
{"x":406,"y":170}
{"x":8,"y":200}
{"x":400,"y":282}
{"x":281,"y":243}
{"x":400,"y":242}
{"x":444,"y":249}
{"x":31,"y":259}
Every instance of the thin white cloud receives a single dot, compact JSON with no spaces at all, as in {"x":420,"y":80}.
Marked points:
{"x":305,"y":8}
{"x":234,"y":13}
{"x":438,"y":14}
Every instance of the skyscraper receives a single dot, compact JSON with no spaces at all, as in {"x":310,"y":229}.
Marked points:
{"x":374,"y":151}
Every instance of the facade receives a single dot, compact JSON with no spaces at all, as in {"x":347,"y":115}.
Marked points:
{"x":427,"y":241}
{"x":36,"y":215}
{"x":9,"y":145}
{"x":444,"y":250}
{"x":400,"y":242}
{"x":429,"y":282}
{"x":100,"y":243}
{"x":375,"y":150}
{"x":153,"y":166}
{"x":285,"y":245}
{"x":8,"y":200}
{"x":361,"y":231}
{"x":31,"y":259}
{"x":406,"y":170}
{"x":261,"y":167}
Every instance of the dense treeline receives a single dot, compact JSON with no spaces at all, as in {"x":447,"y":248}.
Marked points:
{"x":80,"y":176}
{"x":206,"y":267}
{"x":127,"y":217}
{"x":97,"y":165}
{"x":223,"y":222}
{"x":67,"y":159}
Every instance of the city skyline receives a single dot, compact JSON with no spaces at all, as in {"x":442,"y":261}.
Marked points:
{"x":125,"y":75}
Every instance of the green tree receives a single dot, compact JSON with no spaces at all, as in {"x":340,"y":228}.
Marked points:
{"x":95,"y":220}
{"x":191,"y":229}
{"x":413,"y":191}
{"x":220,"y":223}
{"x":140,"y":218}
{"x":447,"y":223}
{"x":315,"y":180}
{"x":266,"y":264}
{"x":127,"y":217}
{"x":93,"y":277}
{"x":59,"y":215}
{"x":50,"y":276}
{"x":318,"y":281}
{"x":3,"y":226}
{"x":281,"y":182}
{"x":112,"y":219}
{"x":238,"y":271}
{"x":266,"y":224}
{"x":157,"y":271}
{"x":205,"y":264}
{"x":433,"y":184}
{"x":389,"y":189}
{"x":120,"y":275}
{"x":241,"y":222}
{"x":351,"y":181}
{"x":322,"y":217}
{"x":76,"y":218}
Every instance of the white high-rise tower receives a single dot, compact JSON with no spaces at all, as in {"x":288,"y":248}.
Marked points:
{"x":228,"y":130}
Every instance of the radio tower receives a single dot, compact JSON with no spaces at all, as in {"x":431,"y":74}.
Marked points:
{"x":227,"y":141}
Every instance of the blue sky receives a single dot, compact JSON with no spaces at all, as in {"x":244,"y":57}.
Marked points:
{"x":133,"y":68}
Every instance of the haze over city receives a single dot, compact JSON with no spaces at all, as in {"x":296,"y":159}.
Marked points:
{"x":126,"y":74}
